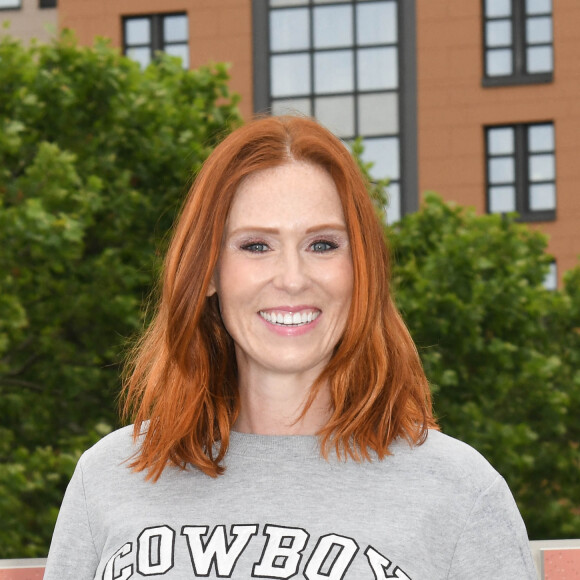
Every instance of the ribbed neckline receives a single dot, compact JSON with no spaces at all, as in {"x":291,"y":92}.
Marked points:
{"x":295,"y":446}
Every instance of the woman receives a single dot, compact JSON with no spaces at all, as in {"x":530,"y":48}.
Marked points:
{"x":283,"y":422}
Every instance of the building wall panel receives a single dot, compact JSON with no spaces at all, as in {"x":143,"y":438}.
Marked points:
{"x":454,"y":108}
{"x":30,"y":22}
{"x":219,"y":31}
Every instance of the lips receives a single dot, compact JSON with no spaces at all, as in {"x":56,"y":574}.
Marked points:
{"x":293,"y":318}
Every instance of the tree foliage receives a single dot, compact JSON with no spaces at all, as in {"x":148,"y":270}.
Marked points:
{"x":95,"y":156}
{"x":502,"y":352}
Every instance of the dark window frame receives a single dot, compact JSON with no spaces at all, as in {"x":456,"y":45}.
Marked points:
{"x":158,"y":42}
{"x":406,"y":89}
{"x":521,"y":182}
{"x":44,"y":4}
{"x":519,"y":44}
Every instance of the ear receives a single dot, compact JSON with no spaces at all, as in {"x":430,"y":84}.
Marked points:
{"x":211,"y":289}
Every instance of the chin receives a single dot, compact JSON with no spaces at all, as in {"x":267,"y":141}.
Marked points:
{"x":298,"y":367}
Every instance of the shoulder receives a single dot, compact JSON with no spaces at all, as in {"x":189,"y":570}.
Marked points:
{"x":456,"y":453}
{"x":448,"y":461}
{"x":113,"y":450}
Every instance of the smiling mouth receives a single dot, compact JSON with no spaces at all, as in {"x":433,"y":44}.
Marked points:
{"x":289,"y":318}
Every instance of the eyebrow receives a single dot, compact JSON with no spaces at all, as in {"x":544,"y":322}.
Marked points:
{"x":322,"y":227}
{"x":316,"y":228}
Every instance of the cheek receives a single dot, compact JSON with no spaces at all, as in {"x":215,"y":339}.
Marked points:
{"x":341,"y":281}
{"x":235,"y":282}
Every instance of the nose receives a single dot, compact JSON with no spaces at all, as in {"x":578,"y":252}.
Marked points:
{"x":291,"y":273}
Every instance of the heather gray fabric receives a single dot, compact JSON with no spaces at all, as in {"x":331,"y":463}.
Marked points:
{"x":426,"y":513}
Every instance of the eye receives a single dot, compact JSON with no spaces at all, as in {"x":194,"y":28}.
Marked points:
{"x":255,"y":247}
{"x":323,"y":246}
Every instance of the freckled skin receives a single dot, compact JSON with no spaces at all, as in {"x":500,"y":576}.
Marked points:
{"x":285,"y":247}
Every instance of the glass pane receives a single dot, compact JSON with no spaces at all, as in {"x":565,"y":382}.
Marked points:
{"x":378,"y":114}
{"x":377,"y":69}
{"x":500,"y":141}
{"x":539,"y":6}
{"x":394,"y":203}
{"x":539,"y":59}
{"x":333,"y":71}
{"x":290,"y":75}
{"x":275,"y":3}
{"x":9,"y":3}
{"x":376,"y":23}
{"x":498,"y":62}
{"x":495,"y":8}
{"x":292,"y":107}
{"x":289,"y":30}
{"x":180,"y":50}
{"x":541,"y":138}
{"x":541,"y":168}
{"x":551,"y":279}
{"x":337,"y":114}
{"x":175,"y":28}
{"x":538,"y":30}
{"x":137,"y":31}
{"x":542,"y":196}
{"x":384,"y":153}
{"x":141,"y":55}
{"x":498,"y":33}
{"x":502,"y":170}
{"x":502,"y":199}
{"x":332,"y":26}
{"x":330,"y":1}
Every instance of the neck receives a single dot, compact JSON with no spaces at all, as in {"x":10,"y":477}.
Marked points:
{"x":272,"y":405}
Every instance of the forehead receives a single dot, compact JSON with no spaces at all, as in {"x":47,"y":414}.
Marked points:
{"x":295,"y":191}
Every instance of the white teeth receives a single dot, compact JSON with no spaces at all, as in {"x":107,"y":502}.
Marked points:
{"x":288,"y":319}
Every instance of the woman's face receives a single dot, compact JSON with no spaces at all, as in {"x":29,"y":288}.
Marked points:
{"x":284,"y":277}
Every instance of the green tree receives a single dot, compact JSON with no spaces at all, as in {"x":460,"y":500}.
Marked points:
{"x":95,"y":155}
{"x":502,"y":352}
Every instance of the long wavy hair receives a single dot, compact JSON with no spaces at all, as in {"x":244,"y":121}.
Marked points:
{"x":181,"y":378}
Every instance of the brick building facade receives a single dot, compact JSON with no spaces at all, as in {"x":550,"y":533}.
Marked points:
{"x":475,"y":99}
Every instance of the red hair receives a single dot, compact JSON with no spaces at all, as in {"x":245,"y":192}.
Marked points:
{"x":182,"y":380}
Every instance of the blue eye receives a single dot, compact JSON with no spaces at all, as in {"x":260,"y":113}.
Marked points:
{"x":323,"y":246}
{"x":255,"y":247}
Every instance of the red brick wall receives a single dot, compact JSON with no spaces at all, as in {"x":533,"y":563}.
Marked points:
{"x":453,"y":107}
{"x":219,"y":31}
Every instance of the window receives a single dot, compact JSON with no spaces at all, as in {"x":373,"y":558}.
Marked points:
{"x":340,"y":61}
{"x":47,"y":3}
{"x":143,"y":36}
{"x":521,"y":170}
{"x":518,"y":41}
{"x":10,"y":4}
{"x":551,"y":278}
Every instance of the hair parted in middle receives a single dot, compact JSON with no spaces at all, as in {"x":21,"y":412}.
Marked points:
{"x":181,"y":386}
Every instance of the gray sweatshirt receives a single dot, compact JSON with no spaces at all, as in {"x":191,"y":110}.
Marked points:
{"x":433,"y":512}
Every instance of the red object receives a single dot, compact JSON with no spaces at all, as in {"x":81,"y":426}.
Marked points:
{"x":22,"y":574}
{"x":558,"y":564}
